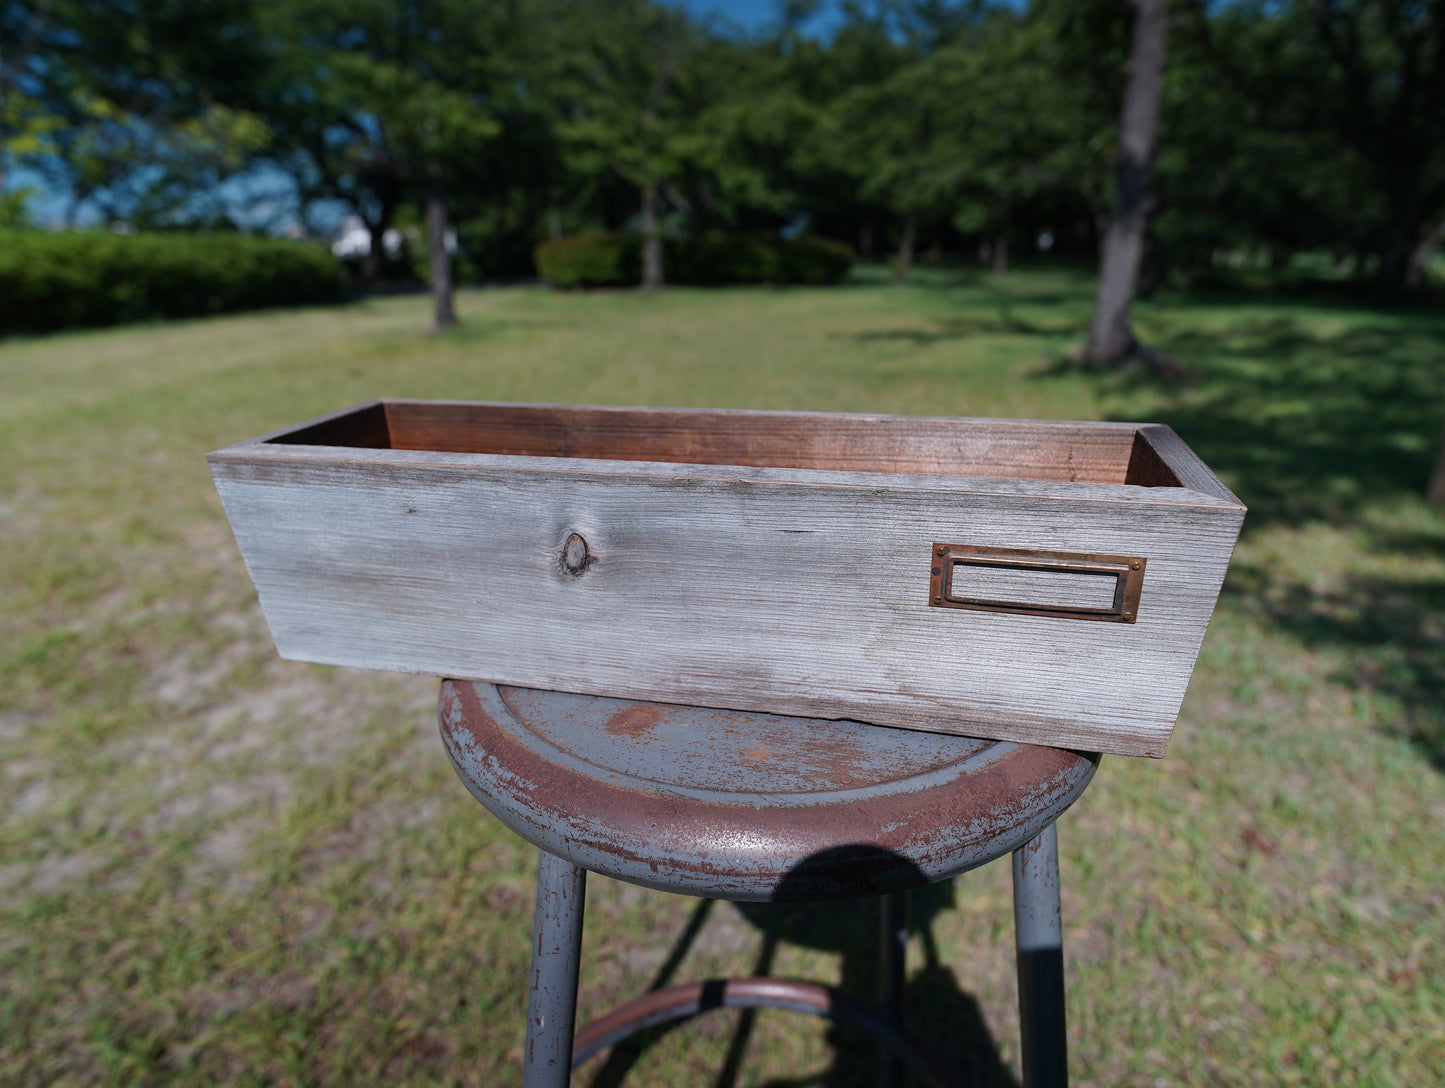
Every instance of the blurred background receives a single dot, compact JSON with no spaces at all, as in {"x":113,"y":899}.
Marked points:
{"x":221,"y":217}
{"x":1302,"y":139}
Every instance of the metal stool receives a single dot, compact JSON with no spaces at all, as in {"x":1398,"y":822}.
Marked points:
{"x":741,"y":806}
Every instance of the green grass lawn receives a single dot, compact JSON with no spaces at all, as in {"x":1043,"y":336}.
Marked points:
{"x":218,"y":867}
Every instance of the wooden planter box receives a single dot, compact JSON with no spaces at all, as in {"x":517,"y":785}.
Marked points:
{"x":1031,"y":581}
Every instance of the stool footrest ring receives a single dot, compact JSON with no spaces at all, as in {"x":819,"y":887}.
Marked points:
{"x":690,"y":999}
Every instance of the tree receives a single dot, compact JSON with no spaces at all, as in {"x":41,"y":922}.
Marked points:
{"x":27,"y":26}
{"x":1366,"y":79}
{"x":423,"y":127}
{"x":148,"y":174}
{"x":636,"y":90}
{"x":1238,"y":172}
{"x":1423,"y":253}
{"x":904,"y":149}
{"x":1111,"y":334}
{"x":1388,"y":58}
{"x":827,"y":169}
{"x":118,"y":115}
{"x":741,"y":172}
{"x":1435,"y":489}
{"x":1014,"y":125}
{"x":373,"y":100}
{"x":889,"y":128}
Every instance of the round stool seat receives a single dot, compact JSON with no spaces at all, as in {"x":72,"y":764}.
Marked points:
{"x":735,"y":805}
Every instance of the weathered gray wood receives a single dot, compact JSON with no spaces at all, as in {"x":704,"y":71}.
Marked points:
{"x":792,"y":590}
{"x":1054,"y":589}
{"x":1184,"y":463}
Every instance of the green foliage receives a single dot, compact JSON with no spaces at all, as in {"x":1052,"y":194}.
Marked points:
{"x":1288,"y":127}
{"x":1301,"y":125}
{"x":113,"y":110}
{"x":13,"y":212}
{"x":149,"y":174}
{"x":636,"y":89}
{"x":595,"y":259}
{"x":55,"y":281}
{"x":960,"y":121}
{"x":752,"y":258}
{"x":421,"y":118}
{"x":604,"y":259}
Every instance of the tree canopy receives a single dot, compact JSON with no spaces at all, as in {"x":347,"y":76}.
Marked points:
{"x":979,"y":127}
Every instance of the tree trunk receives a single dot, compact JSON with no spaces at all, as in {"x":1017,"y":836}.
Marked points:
{"x":1111,"y":337}
{"x":1402,"y":235}
{"x":905,"y":248}
{"x":1435,"y":492}
{"x":865,"y":240}
{"x":1000,"y":244}
{"x":375,"y":262}
{"x":554,"y":224}
{"x":1000,"y":255}
{"x":373,"y":268}
{"x":1435,"y":489}
{"x":1421,"y":256}
{"x":652,"y":279}
{"x":1152,"y":271}
{"x":444,"y":312}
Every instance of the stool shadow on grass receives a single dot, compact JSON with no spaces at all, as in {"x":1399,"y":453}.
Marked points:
{"x":831,"y":901}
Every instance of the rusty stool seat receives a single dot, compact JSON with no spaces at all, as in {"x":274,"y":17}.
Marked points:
{"x":745,"y":806}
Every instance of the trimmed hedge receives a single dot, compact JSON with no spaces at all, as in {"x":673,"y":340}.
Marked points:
{"x":595,"y":259}
{"x":615,"y":260}
{"x":57,"y":281}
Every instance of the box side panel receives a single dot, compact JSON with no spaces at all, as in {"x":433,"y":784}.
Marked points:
{"x":955,"y":447}
{"x":1159,"y":445}
{"x":747,"y":594}
{"x":1147,"y":468}
{"x":364,"y":427}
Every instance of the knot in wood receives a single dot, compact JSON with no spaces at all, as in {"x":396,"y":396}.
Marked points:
{"x":575,"y":555}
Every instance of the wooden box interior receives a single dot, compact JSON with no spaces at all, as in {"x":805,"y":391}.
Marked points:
{"x":1075,"y":452}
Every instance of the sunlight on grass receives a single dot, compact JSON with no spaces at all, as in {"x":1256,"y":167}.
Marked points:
{"x":218,"y":867}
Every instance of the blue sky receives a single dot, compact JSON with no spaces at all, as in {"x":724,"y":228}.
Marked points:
{"x":749,"y":13}
{"x":753,"y":14}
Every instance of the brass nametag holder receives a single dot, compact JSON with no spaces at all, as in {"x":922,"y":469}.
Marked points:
{"x":1068,"y":585}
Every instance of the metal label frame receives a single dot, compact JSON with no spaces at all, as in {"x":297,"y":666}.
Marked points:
{"x":1128,"y":571}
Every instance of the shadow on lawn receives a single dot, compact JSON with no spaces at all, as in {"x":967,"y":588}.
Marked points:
{"x":1312,"y":428}
{"x":997,"y":316}
{"x":939,"y":1013}
{"x":955,"y":329}
{"x":1394,"y":629}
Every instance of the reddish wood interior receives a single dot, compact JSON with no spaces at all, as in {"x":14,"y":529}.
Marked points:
{"x":999,"y":448}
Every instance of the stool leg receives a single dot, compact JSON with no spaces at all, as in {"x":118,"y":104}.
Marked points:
{"x":556,"y":954}
{"x":1039,"y":938}
{"x":892,"y":976}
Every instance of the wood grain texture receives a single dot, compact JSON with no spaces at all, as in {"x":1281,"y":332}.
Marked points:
{"x":1183,"y":464}
{"x":1088,"y":452}
{"x":788,"y":589}
{"x":1053,"y":589}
